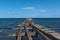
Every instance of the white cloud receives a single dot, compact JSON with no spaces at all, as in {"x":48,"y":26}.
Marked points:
{"x":43,"y":10}
{"x":31,"y":8}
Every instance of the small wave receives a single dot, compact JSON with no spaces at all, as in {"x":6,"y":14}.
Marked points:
{"x":0,"y":30}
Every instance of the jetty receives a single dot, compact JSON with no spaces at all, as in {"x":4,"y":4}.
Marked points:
{"x":29,"y":30}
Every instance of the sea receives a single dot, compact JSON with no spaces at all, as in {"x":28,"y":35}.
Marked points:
{"x":6,"y":25}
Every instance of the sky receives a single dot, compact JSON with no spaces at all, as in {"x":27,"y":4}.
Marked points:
{"x":29,"y":8}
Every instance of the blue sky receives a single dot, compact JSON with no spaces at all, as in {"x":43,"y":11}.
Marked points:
{"x":29,"y":8}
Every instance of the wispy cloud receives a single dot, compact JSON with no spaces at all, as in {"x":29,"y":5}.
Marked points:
{"x":43,"y":10}
{"x":36,"y":9}
{"x":30,"y":8}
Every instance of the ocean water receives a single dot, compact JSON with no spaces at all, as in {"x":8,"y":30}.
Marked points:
{"x":51,"y":23}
